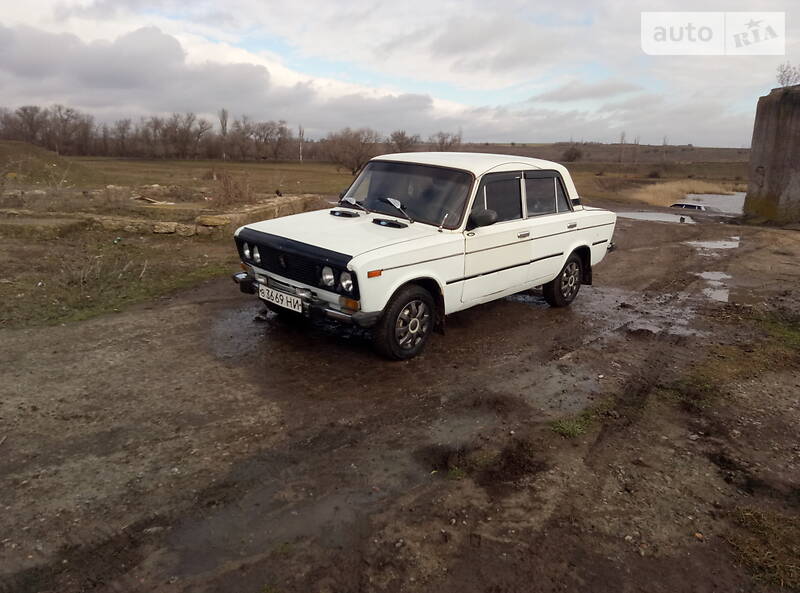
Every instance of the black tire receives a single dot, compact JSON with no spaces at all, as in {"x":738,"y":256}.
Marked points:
{"x":406,"y":324}
{"x":563,"y":289}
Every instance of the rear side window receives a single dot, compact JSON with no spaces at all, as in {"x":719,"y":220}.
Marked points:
{"x":544,"y":193}
{"x":540,"y":196}
{"x":500,"y":192}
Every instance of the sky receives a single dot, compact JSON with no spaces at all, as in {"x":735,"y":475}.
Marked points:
{"x":506,"y":71}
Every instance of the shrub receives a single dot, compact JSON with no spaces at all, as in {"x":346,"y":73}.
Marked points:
{"x":572,"y":154}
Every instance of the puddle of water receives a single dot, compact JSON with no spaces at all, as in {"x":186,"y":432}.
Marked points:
{"x":731,"y":243}
{"x":716,"y":289}
{"x":729,"y":204}
{"x":657,"y":217}
{"x":718,"y":294}
{"x":714,"y":276}
{"x":530,"y":297}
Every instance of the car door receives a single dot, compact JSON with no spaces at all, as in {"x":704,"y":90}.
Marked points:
{"x":551,"y":219}
{"x":497,"y":256}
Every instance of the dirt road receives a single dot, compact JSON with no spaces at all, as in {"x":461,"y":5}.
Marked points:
{"x":623,"y":444}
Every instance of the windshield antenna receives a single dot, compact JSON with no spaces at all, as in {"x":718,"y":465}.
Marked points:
{"x":441,"y":225}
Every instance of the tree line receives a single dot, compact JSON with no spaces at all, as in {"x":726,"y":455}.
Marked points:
{"x":68,"y":131}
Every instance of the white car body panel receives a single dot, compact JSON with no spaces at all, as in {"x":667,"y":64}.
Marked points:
{"x":346,"y":235}
{"x":468,"y":266}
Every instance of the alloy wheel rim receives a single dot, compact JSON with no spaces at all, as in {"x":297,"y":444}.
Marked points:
{"x":412,"y":324}
{"x":570,"y":280}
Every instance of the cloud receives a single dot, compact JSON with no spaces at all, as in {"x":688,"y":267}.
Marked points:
{"x":146,"y":71}
{"x":577,"y":90}
{"x":115,"y":63}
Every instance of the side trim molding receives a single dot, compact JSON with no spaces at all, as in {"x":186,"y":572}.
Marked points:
{"x":527,"y":263}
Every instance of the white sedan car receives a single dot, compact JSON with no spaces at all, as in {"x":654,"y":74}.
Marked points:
{"x":419,"y":236}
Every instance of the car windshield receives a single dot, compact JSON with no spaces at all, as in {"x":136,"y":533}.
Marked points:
{"x":427,"y":194}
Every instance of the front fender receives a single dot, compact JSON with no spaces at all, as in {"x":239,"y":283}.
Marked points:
{"x":376,"y":291}
{"x":438,"y":258}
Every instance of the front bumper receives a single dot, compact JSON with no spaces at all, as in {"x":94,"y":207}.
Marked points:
{"x":312,"y":307}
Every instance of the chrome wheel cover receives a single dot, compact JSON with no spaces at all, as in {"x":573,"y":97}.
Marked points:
{"x":412,"y":324}
{"x":570,"y":280}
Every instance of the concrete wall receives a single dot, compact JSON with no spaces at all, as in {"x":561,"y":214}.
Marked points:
{"x":773,"y":191}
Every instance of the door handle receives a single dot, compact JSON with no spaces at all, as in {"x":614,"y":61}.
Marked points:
{"x":572,"y":226}
{"x":523,"y":235}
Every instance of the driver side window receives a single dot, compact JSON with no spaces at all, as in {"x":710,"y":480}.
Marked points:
{"x":500,"y":192}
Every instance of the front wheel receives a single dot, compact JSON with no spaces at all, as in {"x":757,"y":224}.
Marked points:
{"x":563,"y":289}
{"x":406,"y":323}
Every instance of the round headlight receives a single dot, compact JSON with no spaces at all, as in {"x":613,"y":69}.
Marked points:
{"x":246,"y":251}
{"x":346,"y":281}
{"x":256,"y":255}
{"x":328,"y":278}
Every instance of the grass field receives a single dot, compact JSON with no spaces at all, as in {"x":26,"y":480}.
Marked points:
{"x":265,"y":177}
{"x":23,"y":164}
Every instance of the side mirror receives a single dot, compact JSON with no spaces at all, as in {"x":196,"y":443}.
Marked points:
{"x":479,"y":218}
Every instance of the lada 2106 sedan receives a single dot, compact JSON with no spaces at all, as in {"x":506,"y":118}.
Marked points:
{"x":419,"y":236}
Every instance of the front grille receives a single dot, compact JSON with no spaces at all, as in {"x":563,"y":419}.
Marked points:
{"x":289,"y":265}
{"x":294,"y":260}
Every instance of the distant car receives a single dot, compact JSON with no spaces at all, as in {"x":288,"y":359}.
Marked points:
{"x":690,"y":206}
{"x":418,"y":236}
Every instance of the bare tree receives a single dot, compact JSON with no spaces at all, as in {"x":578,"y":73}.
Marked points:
{"x":223,"y":130}
{"x":242,"y":136}
{"x":122,"y":129}
{"x":400,"y":141}
{"x":84,"y":134}
{"x":622,"y":138}
{"x":444,"y":141}
{"x":31,"y":120}
{"x":352,"y":148}
{"x":788,"y":75}
{"x":301,"y":136}
{"x":61,"y":127}
{"x":201,"y":128}
{"x":572,"y":154}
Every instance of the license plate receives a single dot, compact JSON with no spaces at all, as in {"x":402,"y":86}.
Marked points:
{"x":279,"y":298}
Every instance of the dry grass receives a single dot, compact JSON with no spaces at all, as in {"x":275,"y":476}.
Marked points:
{"x":83,"y":274}
{"x":22,"y":163}
{"x":232,"y":191}
{"x":769,"y":545}
{"x":264,"y":177}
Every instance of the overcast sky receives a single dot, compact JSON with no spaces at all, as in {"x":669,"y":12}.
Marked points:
{"x":502,"y":71}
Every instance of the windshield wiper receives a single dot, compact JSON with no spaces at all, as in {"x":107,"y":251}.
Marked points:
{"x":397,"y":204}
{"x":351,"y":201}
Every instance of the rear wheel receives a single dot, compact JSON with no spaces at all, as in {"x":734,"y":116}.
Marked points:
{"x":563,"y":289}
{"x":406,"y":323}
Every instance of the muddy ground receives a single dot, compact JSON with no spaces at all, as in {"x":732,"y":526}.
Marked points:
{"x":645,"y":439}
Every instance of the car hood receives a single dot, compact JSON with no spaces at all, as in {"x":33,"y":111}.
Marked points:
{"x":350,"y":236}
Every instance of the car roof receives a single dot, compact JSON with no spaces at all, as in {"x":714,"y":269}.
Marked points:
{"x":476,"y":163}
